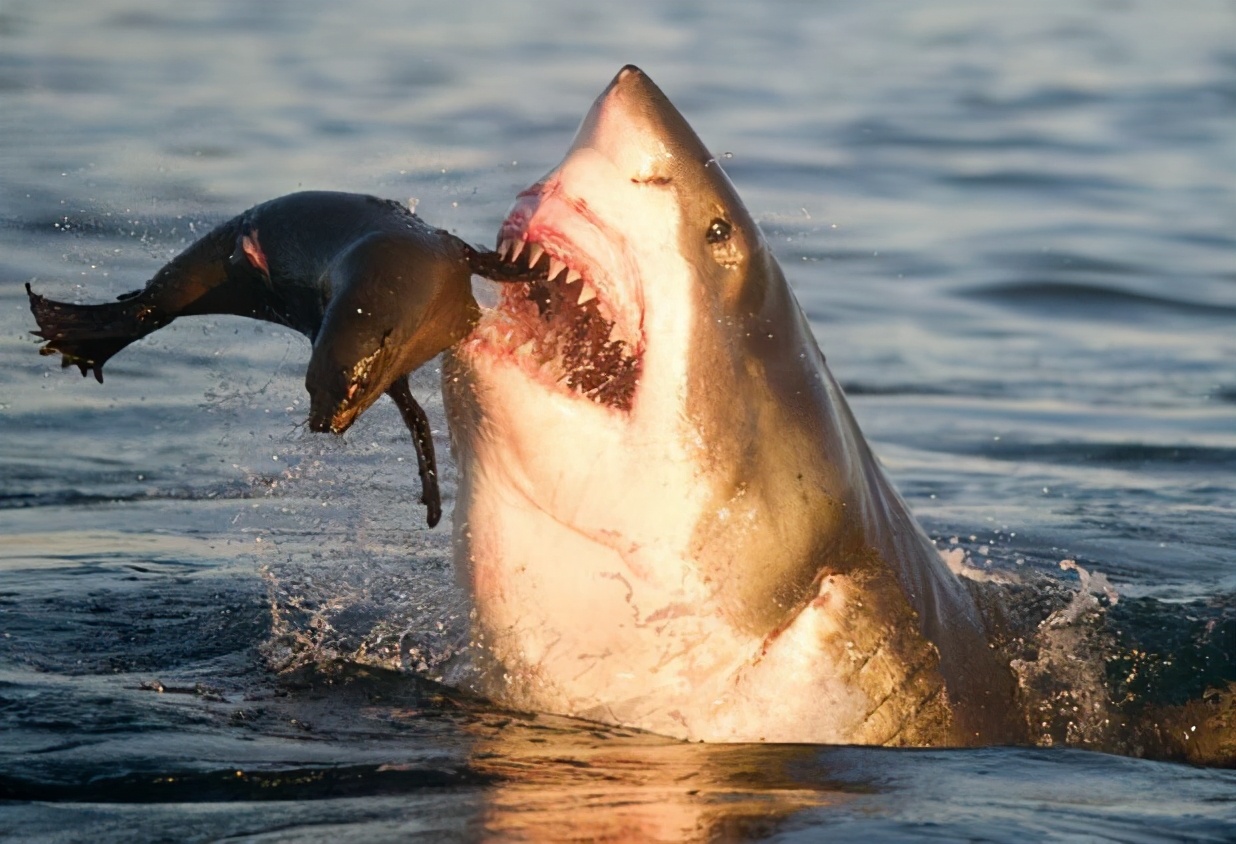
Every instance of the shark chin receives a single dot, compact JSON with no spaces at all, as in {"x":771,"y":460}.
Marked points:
{"x":667,"y":517}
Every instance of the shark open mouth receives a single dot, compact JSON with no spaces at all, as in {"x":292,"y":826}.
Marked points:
{"x":564,"y":321}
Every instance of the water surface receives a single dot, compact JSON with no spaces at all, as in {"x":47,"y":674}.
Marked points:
{"x":1014,"y":232}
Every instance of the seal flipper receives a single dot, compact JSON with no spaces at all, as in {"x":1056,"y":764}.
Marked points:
{"x":196,"y":281}
{"x":89,"y":335}
{"x":422,"y":438}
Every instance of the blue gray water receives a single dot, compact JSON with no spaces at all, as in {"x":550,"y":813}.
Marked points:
{"x":1014,"y":231}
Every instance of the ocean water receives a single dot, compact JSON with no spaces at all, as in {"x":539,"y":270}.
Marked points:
{"x":1013,"y":230}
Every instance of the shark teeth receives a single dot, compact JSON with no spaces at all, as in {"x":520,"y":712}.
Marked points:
{"x":558,"y":275}
{"x":572,"y":336}
{"x":511,"y":249}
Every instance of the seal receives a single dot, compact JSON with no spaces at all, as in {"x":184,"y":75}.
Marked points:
{"x":376,"y":290}
{"x":667,"y":517}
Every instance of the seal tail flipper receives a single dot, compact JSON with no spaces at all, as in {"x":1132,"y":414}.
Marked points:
{"x":88,"y":335}
{"x":422,"y":438}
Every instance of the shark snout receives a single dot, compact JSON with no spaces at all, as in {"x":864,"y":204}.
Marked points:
{"x":634,"y":125}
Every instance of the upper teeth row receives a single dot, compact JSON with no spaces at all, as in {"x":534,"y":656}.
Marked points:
{"x":510,"y":250}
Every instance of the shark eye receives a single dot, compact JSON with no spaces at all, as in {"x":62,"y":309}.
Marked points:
{"x":719,"y":231}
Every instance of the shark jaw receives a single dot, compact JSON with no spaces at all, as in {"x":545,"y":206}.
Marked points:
{"x":559,"y":328}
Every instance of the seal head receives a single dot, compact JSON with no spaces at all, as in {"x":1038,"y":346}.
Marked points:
{"x":397,"y":301}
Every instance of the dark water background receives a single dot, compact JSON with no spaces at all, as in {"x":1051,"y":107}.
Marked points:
{"x":1013,"y":229}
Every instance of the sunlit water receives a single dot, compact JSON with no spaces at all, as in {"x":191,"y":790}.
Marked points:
{"x":1014,"y":231}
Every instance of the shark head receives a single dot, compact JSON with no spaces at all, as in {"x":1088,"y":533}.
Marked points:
{"x":639,"y":233}
{"x":657,"y":471}
{"x":658,"y":292}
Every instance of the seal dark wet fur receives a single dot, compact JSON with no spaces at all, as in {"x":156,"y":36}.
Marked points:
{"x":377,"y":291}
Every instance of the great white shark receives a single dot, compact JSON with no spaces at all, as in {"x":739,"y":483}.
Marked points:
{"x":666,"y":516}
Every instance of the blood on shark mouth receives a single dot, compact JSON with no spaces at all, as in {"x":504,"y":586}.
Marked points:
{"x":559,"y":323}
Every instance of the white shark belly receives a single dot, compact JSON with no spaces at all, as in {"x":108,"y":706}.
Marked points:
{"x":568,"y":625}
{"x":600,"y":610}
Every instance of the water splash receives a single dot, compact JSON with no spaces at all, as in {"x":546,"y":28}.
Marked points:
{"x":1140,"y":677}
{"x":1063,"y":683}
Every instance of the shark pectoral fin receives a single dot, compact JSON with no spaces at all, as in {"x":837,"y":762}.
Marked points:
{"x":422,"y":438}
